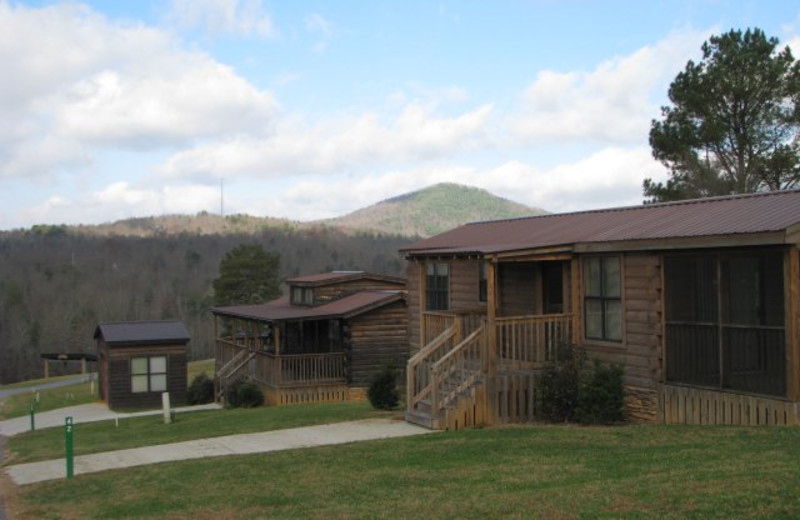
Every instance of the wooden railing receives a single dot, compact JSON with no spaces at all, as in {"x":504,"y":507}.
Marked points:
{"x":436,"y":322}
{"x":418,"y":370}
{"x":527,"y":342}
{"x":457,"y":371}
{"x":301,"y":369}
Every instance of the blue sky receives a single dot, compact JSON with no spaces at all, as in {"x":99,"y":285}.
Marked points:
{"x":310,"y":110}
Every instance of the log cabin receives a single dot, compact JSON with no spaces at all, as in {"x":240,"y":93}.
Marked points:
{"x":697,"y":299}
{"x":323,"y":341}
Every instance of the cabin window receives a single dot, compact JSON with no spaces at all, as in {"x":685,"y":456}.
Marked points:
{"x":725,"y":321}
{"x":302,"y":296}
{"x":483,"y":281}
{"x":437,"y":287}
{"x":603,"y":298}
{"x":149,"y":374}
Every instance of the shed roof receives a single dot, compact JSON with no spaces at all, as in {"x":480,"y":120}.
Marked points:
{"x":282,"y":309}
{"x":340,"y":276}
{"x":739,"y":215}
{"x":142,"y":332}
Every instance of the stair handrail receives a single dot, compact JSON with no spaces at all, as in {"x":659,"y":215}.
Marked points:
{"x":411,"y":372}
{"x":439,"y":370}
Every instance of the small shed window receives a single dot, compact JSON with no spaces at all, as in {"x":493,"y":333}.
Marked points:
{"x":603,"y":298}
{"x":149,"y":374}
{"x":437,"y":287}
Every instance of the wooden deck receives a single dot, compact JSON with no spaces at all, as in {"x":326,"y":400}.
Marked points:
{"x":287,"y":379}
{"x":459,"y":379}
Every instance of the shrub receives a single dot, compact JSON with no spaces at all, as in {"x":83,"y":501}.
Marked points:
{"x":244,"y":394}
{"x":573,"y":390}
{"x":560,"y":384}
{"x":382,"y":392}
{"x":601,"y":399}
{"x":201,"y":391}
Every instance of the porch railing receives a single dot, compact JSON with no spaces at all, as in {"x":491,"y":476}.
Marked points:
{"x":436,"y":322}
{"x":300,"y":369}
{"x":457,"y":371}
{"x":419,"y":381}
{"x":527,"y":342}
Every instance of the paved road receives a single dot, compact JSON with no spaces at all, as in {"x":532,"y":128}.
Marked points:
{"x":323,"y":435}
{"x":45,"y":386}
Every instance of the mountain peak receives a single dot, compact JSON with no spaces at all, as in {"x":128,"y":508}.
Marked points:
{"x":432,"y":210}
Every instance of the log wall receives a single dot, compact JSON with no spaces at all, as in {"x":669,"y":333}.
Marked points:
{"x":641,"y":350}
{"x":377,"y":338}
{"x":329,"y":292}
{"x":464,"y":287}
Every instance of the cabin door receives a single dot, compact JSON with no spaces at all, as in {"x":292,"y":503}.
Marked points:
{"x":552,"y":287}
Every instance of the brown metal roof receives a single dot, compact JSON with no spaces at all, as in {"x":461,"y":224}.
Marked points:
{"x":142,"y":332}
{"x":712,"y":217}
{"x":338,"y":276}
{"x":282,"y":309}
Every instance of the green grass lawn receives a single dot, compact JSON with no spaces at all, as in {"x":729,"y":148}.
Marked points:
{"x":143,"y":431}
{"x":19,"y":405}
{"x":515,"y":472}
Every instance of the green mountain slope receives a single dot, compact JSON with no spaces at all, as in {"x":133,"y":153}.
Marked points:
{"x":433,"y":210}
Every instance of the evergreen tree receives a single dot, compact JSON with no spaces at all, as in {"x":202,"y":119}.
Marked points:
{"x":247,"y":275}
{"x":734,"y":123}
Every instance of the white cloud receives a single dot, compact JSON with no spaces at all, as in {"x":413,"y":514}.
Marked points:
{"x":348,"y":144}
{"x":613,"y":103}
{"x":120,"y":200}
{"x":74,"y":81}
{"x":235,"y":17}
{"x":608,"y":178}
{"x":318,"y":25}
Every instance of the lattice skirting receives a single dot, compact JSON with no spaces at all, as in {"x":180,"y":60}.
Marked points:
{"x":684,"y":405}
{"x":306,"y":394}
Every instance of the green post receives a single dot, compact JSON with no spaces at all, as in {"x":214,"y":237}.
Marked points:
{"x":33,"y":421}
{"x":68,"y":445}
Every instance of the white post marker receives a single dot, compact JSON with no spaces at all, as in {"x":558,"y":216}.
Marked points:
{"x":165,"y":404}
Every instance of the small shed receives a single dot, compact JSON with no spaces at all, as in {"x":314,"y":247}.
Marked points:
{"x":139,"y":360}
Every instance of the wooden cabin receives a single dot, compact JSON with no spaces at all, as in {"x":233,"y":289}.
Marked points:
{"x":698,"y":299}
{"x":139,"y":360}
{"x":323,"y":341}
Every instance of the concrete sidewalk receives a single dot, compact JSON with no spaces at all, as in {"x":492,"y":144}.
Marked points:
{"x":83,"y":413}
{"x":308,"y":436}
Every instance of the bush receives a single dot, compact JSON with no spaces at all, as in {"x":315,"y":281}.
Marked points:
{"x":201,"y":391}
{"x":602,"y":399}
{"x":382,"y":392}
{"x":559,"y":386}
{"x":244,"y":394}
{"x":573,"y":390}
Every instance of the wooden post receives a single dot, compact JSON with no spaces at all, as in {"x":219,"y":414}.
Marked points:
{"x":422,"y":302}
{"x":791,"y":289}
{"x":46,"y":369}
{"x":575,"y":289}
{"x":277,"y":366}
{"x":491,"y":344}
{"x":83,"y":366}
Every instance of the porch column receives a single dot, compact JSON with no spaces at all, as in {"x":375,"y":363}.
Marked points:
{"x":491,"y":344}
{"x":792,"y":272}
{"x":46,"y":369}
{"x":422,"y":302}
{"x":277,"y":333}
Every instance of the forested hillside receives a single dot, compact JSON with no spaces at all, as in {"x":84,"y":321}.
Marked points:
{"x":433,"y":210}
{"x":58,"y":282}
